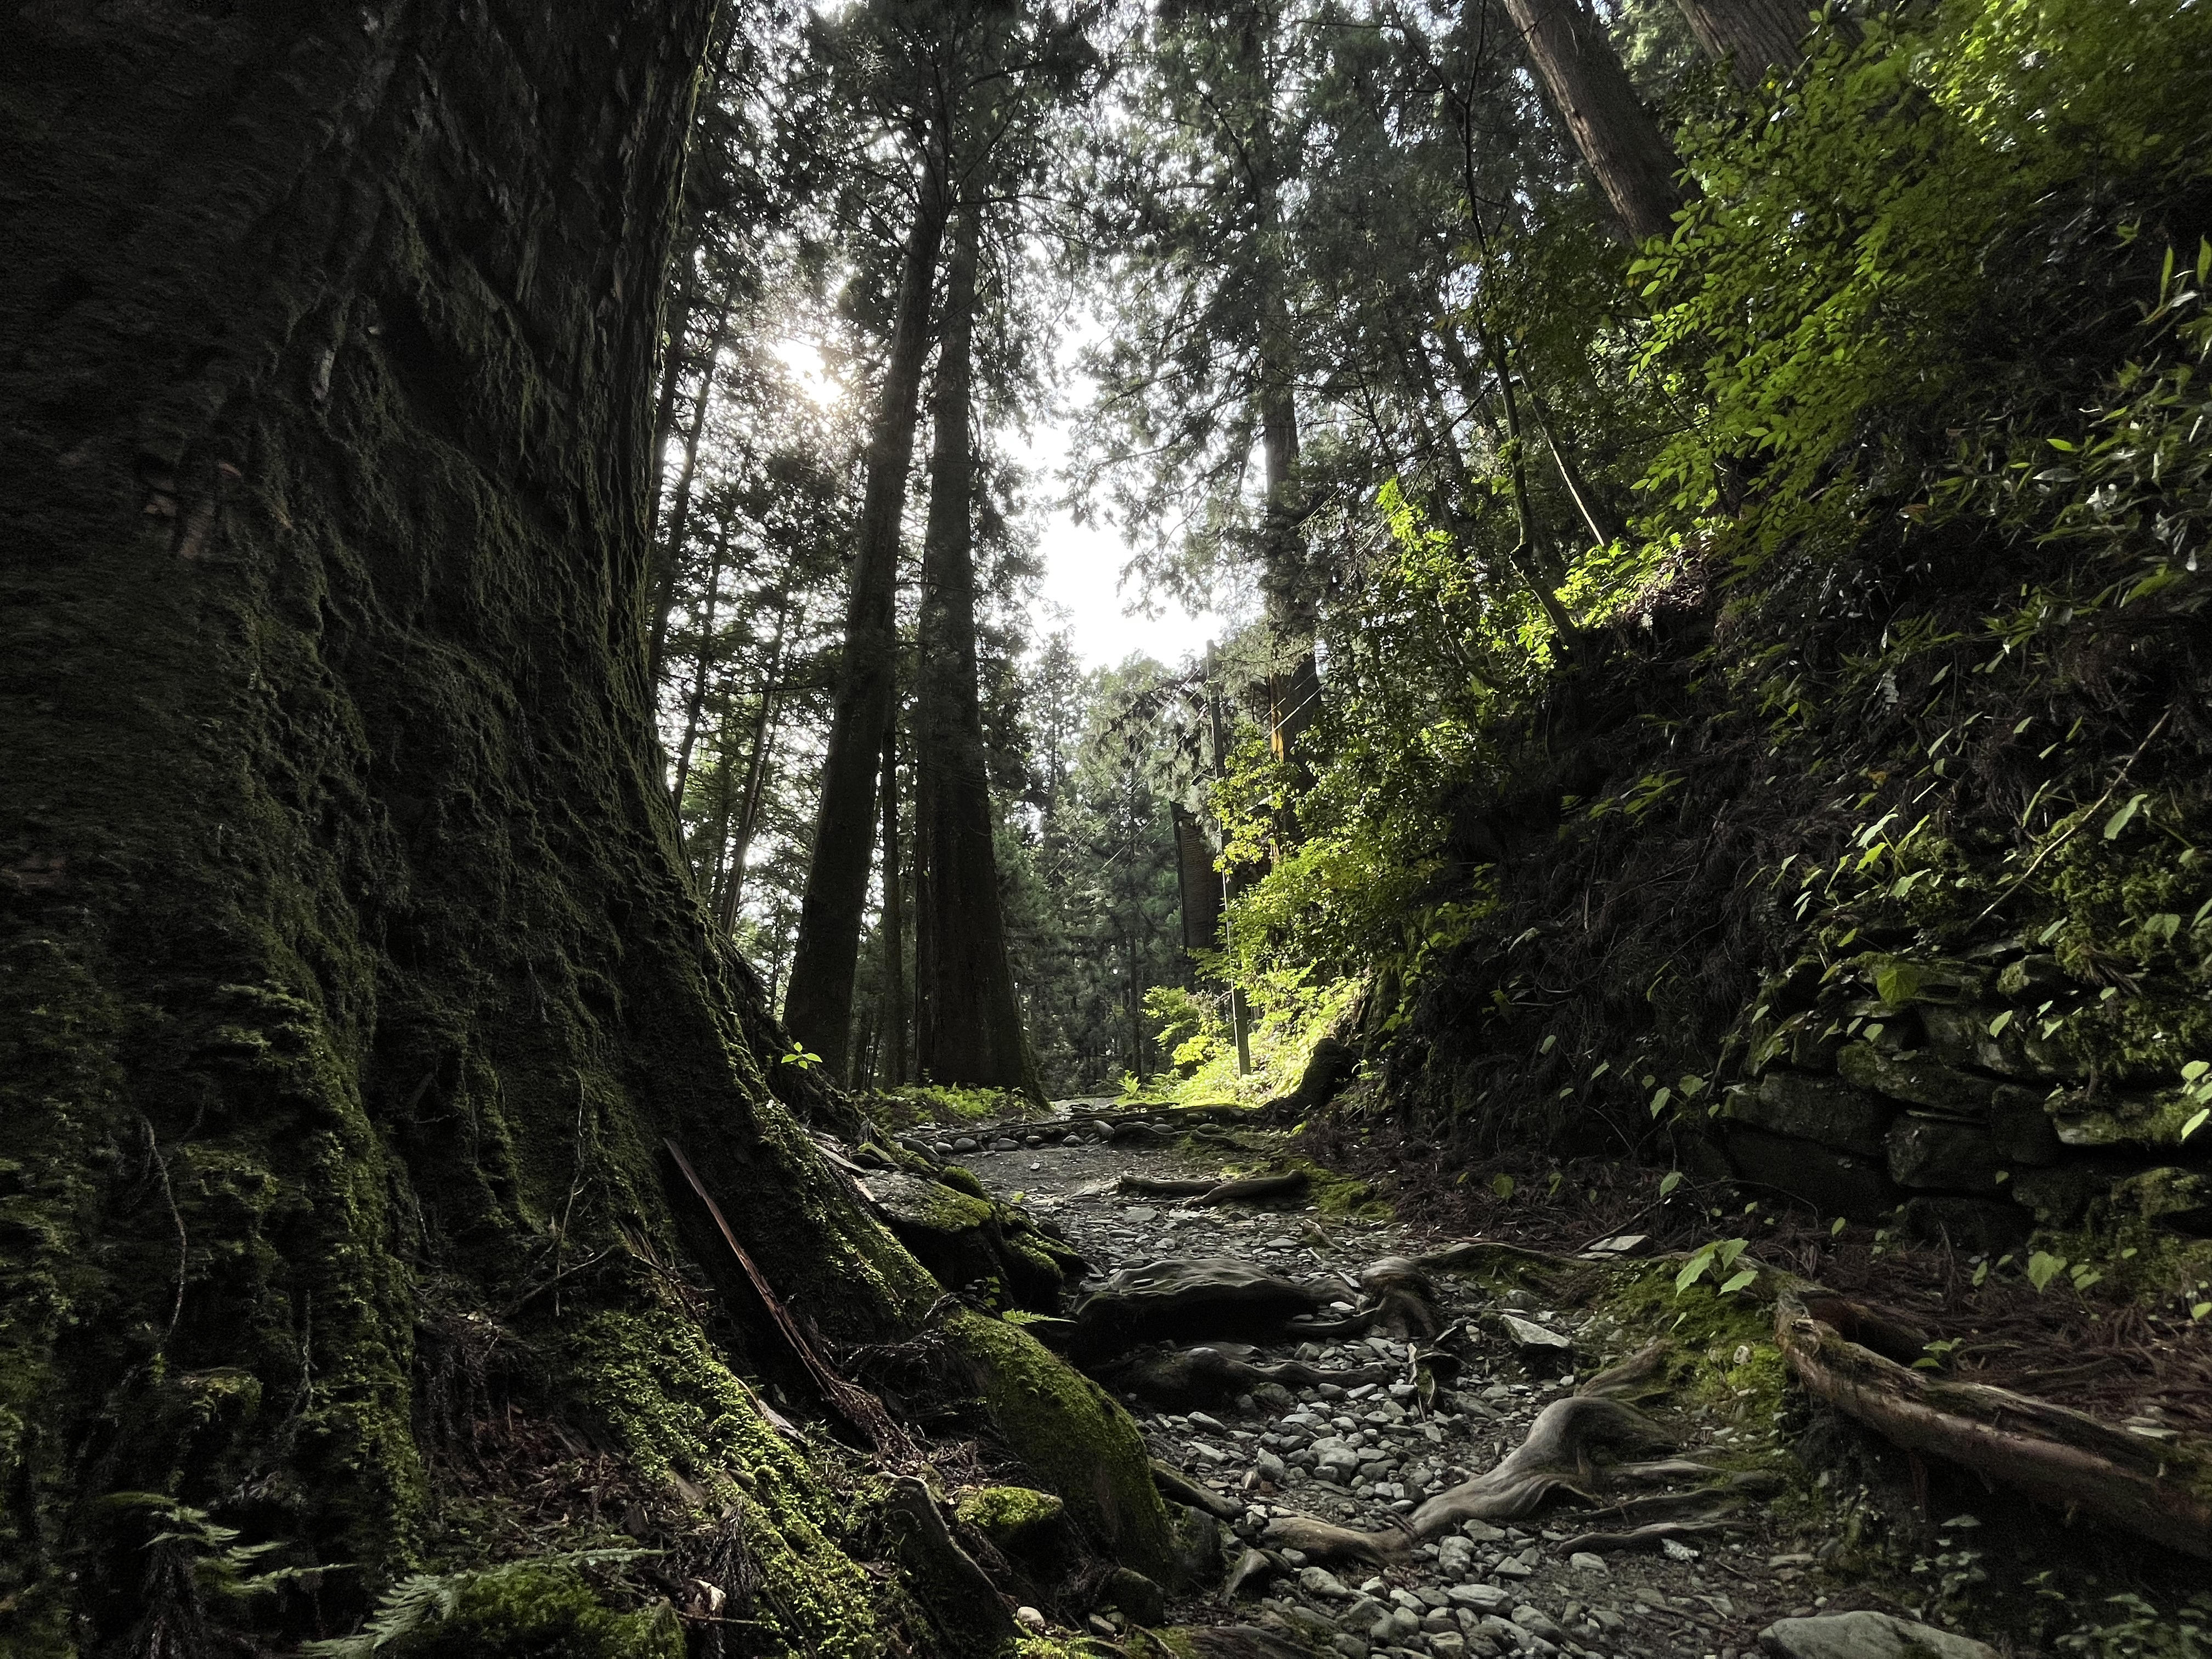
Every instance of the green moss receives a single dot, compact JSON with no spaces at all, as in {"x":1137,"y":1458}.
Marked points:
{"x":539,"y":1613}
{"x":1341,"y":1196}
{"x":964,"y":1179}
{"x":1073,"y":1437}
{"x":949,"y":1210}
{"x":1008,"y":1515}
{"x":1707,"y":1332}
{"x":679,"y":1410}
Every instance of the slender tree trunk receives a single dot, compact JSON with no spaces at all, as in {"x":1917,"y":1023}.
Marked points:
{"x":894,"y":1023}
{"x":1631,"y":157}
{"x":1751,"y":36}
{"x":668,"y":562}
{"x":680,"y":307}
{"x":818,"y":1006}
{"x":1532,"y":560}
{"x":968,"y":1022}
{"x":702,"y":665}
{"x":759,"y":753}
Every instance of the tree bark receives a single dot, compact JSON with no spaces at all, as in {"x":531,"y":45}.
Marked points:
{"x":349,"y":977}
{"x":818,"y":1006}
{"x":1631,"y":157}
{"x":968,"y":1022}
{"x":1750,"y":36}
{"x":893,"y":1070}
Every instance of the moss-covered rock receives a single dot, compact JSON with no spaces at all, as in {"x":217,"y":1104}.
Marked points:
{"x":1009,"y":1515}
{"x":1073,"y":1437}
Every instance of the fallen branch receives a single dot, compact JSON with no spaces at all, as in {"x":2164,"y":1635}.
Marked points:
{"x":856,"y":1404}
{"x":2052,"y":1453}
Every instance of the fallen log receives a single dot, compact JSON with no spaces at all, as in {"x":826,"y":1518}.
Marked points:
{"x":2050,"y":1453}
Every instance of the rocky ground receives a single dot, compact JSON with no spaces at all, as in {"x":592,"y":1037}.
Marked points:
{"x":1364,"y":1453}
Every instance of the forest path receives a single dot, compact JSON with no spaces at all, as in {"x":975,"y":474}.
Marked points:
{"x":1709,"y":1600}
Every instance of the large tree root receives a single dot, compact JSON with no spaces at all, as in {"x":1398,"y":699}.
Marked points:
{"x":2052,"y":1453}
{"x":1245,"y":1189}
{"x":1555,"y":1457}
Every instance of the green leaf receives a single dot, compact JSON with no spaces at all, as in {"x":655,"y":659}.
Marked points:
{"x":1739,"y":1280}
{"x":1668,"y":1181}
{"x":1693,"y":1269}
{"x":1998,"y":1025}
{"x":2043,"y":1267}
{"x":1898,"y":983}
{"x":2121,"y":819}
{"x":2196,"y":1122}
{"x":1659,"y":1101}
{"x":1503,"y":1186}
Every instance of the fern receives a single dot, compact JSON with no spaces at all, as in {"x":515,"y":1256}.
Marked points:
{"x":424,"y":1599}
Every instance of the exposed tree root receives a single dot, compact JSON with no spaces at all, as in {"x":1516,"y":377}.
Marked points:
{"x":2052,"y":1453}
{"x":1555,"y":1457}
{"x":1647,"y":1537}
{"x":1210,"y":1296}
{"x":1219,"y":1371}
{"x":1320,"y":1540}
{"x":1245,"y":1189}
{"x":1174,"y":1483}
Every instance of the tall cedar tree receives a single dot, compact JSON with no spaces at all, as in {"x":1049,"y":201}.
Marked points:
{"x":968,"y":1027}
{"x":350,"y":978}
{"x":818,"y":1003}
{"x":1752,"y":36}
{"x":1632,"y":158}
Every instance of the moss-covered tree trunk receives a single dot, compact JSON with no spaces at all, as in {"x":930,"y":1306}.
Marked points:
{"x":350,"y":976}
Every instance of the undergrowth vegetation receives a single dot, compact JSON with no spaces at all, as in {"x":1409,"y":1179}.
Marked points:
{"x":1902,"y":648}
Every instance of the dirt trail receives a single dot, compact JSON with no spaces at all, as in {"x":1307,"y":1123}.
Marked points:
{"x":1365,"y":1455}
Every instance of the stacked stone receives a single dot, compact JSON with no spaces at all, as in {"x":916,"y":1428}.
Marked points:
{"x":1938,"y":1084}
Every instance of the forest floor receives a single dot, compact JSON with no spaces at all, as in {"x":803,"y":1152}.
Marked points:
{"x":1708,"y":1597}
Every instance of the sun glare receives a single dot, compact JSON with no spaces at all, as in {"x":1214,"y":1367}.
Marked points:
{"x":804,"y":362}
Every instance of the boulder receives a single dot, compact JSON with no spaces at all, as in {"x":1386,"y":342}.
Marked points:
{"x":1917,"y":1078}
{"x":2055,"y":1197}
{"x":2179,"y":1201}
{"x":2025,"y":1135}
{"x":1833,"y":1182}
{"x":1534,"y":1341}
{"x":1826,"y":1109}
{"x":1139,"y":1597}
{"x":1960,"y":1037}
{"x":1866,"y":1636}
{"x":1942,"y":1153}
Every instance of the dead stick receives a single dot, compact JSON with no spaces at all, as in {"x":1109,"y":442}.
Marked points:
{"x":858,"y":1407}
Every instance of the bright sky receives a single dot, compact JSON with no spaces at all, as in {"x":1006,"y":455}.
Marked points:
{"x":1083,"y":564}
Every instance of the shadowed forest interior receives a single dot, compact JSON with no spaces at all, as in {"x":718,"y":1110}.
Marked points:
{"x":1580,"y":1021}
